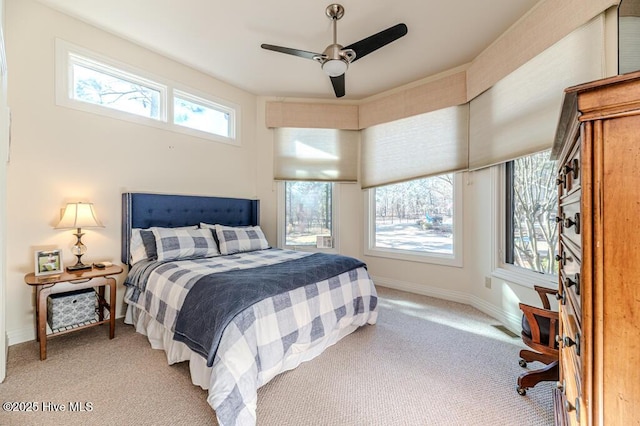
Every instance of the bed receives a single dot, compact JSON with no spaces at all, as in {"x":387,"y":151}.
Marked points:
{"x":205,"y":286}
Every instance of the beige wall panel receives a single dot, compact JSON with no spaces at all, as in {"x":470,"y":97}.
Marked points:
{"x":545,"y":24}
{"x":630,"y":8}
{"x":311,"y":115}
{"x":442,"y":93}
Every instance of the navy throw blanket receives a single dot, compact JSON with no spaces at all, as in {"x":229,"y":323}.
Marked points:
{"x":215,"y":299}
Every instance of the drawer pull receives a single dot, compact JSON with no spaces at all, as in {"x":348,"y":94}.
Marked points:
{"x":560,"y":385}
{"x":558,"y":219}
{"x":560,"y":181}
{"x":568,"y":223}
{"x":574,"y":167}
{"x":568,"y":406}
{"x":568,"y":282}
{"x":564,"y":258}
{"x":560,"y":297}
{"x":568,"y":343}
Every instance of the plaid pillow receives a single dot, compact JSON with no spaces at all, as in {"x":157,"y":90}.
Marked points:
{"x":233,"y":239}
{"x":174,"y":243}
{"x":143,"y":244}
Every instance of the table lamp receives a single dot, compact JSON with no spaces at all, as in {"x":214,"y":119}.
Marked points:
{"x":79,"y":215}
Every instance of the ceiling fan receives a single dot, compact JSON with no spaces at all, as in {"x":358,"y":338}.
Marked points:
{"x":336,"y":59}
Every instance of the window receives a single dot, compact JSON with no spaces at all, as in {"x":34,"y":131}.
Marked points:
{"x":417,"y":220}
{"x":200,"y":114}
{"x":531,"y":207}
{"x":89,"y":82}
{"x":99,"y":84}
{"x":306,"y":216}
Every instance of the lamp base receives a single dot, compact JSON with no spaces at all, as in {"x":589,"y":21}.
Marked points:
{"x":78,"y":267}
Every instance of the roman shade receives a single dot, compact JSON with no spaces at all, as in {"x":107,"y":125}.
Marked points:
{"x":316,"y":154}
{"x":519,"y":114}
{"x":423,"y":145}
{"x":629,"y":44}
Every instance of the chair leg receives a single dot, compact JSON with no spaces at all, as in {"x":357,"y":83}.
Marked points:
{"x":531,"y":378}
{"x":531,"y":356}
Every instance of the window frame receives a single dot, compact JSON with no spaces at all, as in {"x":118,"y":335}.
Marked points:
{"x":68,"y":54}
{"x":455,"y":259}
{"x":502,"y":269}
{"x":207,"y":102}
{"x":89,"y":63}
{"x":281,"y":217}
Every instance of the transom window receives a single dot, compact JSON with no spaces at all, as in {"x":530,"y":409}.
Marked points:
{"x":90,"y":82}
{"x":99,"y":84}
{"x":200,"y":114}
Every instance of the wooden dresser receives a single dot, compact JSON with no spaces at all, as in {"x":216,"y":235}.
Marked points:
{"x":597,"y":146}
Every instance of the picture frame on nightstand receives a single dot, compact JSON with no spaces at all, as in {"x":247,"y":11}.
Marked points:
{"x":48,"y":262}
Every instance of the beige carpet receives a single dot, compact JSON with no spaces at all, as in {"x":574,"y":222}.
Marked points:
{"x":426,"y":362}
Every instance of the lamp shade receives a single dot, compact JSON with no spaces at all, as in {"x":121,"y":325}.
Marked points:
{"x":79,"y":215}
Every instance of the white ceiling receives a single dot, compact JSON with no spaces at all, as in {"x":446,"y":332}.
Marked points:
{"x":222,"y":38}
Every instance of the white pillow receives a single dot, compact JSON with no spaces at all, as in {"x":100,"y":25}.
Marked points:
{"x":238,"y":239}
{"x":136,"y":248}
{"x":174,"y":243}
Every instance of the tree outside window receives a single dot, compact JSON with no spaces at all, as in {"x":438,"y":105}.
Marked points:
{"x":532,"y":205}
{"x":114,"y":92}
{"x":308,"y":212}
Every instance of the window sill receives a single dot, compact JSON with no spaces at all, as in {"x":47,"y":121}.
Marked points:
{"x":526,"y":278}
{"x":312,"y":249}
{"x":444,"y":260}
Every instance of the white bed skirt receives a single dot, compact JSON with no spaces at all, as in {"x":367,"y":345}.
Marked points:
{"x":162,"y":338}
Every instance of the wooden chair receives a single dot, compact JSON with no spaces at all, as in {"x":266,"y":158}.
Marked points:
{"x":539,"y":331}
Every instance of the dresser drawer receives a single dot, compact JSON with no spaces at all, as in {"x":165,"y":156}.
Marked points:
{"x":570,"y":397}
{"x":569,"y":173}
{"x":569,"y":219}
{"x":570,"y":344}
{"x":569,"y":256}
{"x":570,"y":285}
{"x":570,"y":369}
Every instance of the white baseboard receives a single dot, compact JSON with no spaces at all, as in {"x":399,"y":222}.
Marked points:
{"x":509,"y":320}
{"x":425,"y":290}
{"x":22,"y":335}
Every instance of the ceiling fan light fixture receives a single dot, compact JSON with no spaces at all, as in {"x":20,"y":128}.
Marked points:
{"x":335,"y":67}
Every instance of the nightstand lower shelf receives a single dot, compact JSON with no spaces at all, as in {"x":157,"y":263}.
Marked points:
{"x":98,"y":319}
{"x":66,"y":282}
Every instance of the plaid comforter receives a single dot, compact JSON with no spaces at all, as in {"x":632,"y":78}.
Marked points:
{"x":266,"y":338}
{"x":159,"y":288}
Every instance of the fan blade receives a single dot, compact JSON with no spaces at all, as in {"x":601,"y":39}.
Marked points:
{"x":338,"y":85}
{"x":289,"y":51}
{"x":376,"y":41}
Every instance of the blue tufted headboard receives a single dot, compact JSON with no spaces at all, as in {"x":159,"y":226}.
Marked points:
{"x":141,"y":210}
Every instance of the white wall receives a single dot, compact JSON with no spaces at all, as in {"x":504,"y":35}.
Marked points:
{"x":60,"y":155}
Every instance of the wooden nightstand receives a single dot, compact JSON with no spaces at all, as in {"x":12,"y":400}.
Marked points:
{"x":70,"y":281}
